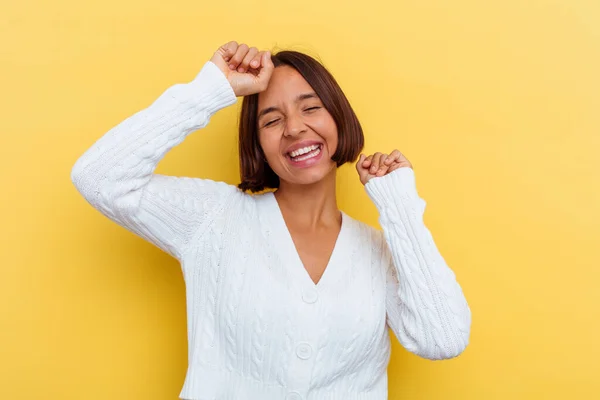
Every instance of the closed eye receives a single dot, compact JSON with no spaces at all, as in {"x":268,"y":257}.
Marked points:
{"x":271,"y":122}
{"x":310,"y":109}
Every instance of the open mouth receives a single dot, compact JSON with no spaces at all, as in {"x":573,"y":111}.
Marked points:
{"x":305,"y":153}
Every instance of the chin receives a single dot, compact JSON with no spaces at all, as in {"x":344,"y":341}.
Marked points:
{"x":310,"y":176}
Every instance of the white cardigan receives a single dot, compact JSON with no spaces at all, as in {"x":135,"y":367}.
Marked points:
{"x":258,"y":326}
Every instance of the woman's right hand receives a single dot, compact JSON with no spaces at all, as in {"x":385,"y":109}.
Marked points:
{"x":247,"y":69}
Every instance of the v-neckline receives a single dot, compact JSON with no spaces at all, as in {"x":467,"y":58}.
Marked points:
{"x":288,"y":252}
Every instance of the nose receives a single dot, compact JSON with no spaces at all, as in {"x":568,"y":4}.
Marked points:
{"x":294,"y":125}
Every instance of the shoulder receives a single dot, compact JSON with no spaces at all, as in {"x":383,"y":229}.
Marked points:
{"x":369,"y":244}
{"x":366,"y":233}
{"x":195,"y":186}
{"x":199,"y":193}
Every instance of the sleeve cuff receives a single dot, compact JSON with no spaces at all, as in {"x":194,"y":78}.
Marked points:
{"x":391,"y":188}
{"x":212,"y":88}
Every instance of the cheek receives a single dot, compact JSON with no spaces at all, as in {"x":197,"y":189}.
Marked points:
{"x":269,"y":144}
{"x":330,"y":134}
{"x":325,"y":127}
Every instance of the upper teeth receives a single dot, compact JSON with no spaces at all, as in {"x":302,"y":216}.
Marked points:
{"x":303,"y":150}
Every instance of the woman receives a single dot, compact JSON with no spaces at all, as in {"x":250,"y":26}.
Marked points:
{"x":287,"y":297}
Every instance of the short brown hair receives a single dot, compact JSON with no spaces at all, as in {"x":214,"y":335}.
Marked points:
{"x":255,"y":173}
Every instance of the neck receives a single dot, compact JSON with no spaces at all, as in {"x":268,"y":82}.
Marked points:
{"x":310,"y":206}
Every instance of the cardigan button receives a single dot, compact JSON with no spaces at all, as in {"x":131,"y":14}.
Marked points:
{"x":310,"y":295}
{"x":293,"y":396}
{"x":304,"y":351}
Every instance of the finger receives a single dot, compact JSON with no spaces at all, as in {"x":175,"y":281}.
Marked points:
{"x":243,"y":67}
{"x":383,"y":167}
{"x":255,"y":63}
{"x":382,"y":160}
{"x":382,"y":170}
{"x":367,"y":161}
{"x":239,"y":55}
{"x":375,"y":163}
{"x":228,"y":50}
{"x":394,"y":167}
{"x":266,"y":70}
{"x":394,"y":155}
{"x":359,"y":163}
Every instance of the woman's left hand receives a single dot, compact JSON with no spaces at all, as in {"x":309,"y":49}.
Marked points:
{"x":380,"y":164}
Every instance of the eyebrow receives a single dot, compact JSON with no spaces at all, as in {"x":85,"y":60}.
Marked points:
{"x":304,"y":96}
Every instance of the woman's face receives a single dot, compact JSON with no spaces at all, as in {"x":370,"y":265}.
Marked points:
{"x":296,"y":132}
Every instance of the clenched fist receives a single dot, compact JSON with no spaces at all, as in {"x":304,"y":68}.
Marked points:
{"x":380,"y":164}
{"x":247,"y":69}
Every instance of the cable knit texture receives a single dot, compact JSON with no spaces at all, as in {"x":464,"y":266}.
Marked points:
{"x":258,"y":326}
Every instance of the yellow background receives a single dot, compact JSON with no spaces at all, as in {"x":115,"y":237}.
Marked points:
{"x":496,"y":103}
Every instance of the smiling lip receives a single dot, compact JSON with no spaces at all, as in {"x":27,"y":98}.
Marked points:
{"x":307,"y":159}
{"x":299,"y":145}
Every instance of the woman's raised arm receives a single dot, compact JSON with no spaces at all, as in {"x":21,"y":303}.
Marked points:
{"x":116,"y":175}
{"x":426,"y":307}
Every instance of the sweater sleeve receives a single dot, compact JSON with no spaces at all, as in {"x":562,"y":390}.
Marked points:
{"x":426,"y":308}
{"x":116,"y":175}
